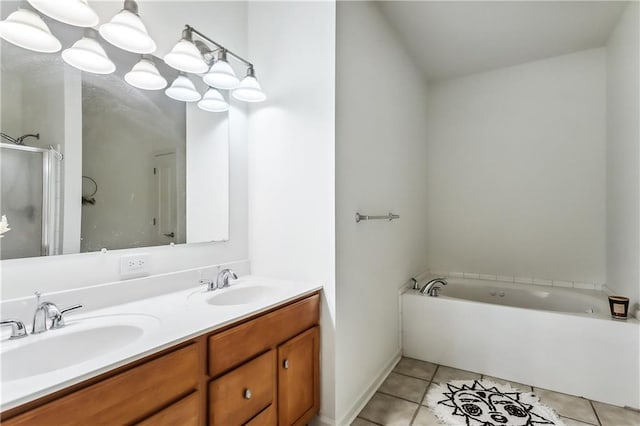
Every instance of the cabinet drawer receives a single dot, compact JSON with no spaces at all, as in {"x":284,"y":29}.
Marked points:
{"x":234,"y":346}
{"x":185,"y":412}
{"x":123,"y":398}
{"x":244,"y":392}
{"x":266,"y":418}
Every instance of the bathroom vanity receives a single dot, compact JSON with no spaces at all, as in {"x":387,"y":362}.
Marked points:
{"x":260,"y":369}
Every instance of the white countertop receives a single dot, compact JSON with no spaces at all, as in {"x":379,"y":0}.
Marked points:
{"x":166,"y":320}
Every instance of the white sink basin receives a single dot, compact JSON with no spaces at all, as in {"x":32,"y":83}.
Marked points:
{"x":241,"y":295}
{"x":79,"y":341}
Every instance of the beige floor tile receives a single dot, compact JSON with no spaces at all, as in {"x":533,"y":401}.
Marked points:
{"x":610,"y":415}
{"x":515,"y":385}
{"x":404,"y":387}
{"x":571,"y":422}
{"x":445,"y":374}
{"x":426,"y":417}
{"x":388,"y":410}
{"x":362,"y":422}
{"x":567,"y":405}
{"x":415,"y":368}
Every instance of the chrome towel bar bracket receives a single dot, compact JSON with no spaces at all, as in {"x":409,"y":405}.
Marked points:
{"x":389,"y":217}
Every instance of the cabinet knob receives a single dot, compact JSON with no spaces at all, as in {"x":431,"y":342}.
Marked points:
{"x":285,"y":364}
{"x":247,"y":394}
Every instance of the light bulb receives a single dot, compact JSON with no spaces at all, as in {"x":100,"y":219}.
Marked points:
{"x":249,"y":89}
{"x":144,"y":75}
{"x":88,"y":55}
{"x":183,"y":89}
{"x":72,"y":12}
{"x":26,"y":29}
{"x":213,"y":101}
{"x":126,"y":30}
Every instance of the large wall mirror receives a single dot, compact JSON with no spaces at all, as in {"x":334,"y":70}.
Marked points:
{"x":108,"y":165}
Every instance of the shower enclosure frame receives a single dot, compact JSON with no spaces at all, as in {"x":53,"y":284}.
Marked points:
{"x":46,"y":189}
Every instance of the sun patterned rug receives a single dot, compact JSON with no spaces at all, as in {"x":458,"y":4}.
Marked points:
{"x":485,"y":403}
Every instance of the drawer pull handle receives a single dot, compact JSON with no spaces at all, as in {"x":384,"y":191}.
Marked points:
{"x":247,"y":394}
{"x":285,"y":364}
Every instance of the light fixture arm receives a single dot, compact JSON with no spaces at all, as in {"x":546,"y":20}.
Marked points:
{"x":219,"y":46}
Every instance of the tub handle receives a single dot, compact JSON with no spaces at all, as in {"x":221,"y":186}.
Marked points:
{"x":434,"y":291}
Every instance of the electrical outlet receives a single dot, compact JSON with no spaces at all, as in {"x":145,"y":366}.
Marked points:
{"x":134,"y":265}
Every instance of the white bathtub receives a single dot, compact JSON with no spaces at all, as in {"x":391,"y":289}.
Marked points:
{"x":549,"y":337}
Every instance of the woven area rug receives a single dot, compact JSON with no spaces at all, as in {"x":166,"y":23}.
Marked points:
{"x":485,"y":403}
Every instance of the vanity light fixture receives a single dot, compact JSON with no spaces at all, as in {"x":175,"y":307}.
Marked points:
{"x":88,"y":55}
{"x":249,"y":89}
{"x":72,"y":12}
{"x":144,"y":75}
{"x":126,"y":30}
{"x":221,"y":75}
{"x":185,"y":55}
{"x":26,"y":29}
{"x":183,"y":89}
{"x":213,"y":101}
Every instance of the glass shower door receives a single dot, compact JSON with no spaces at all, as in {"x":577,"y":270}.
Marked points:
{"x":24,"y":177}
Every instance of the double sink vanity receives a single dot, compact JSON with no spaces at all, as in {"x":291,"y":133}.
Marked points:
{"x":243,"y":354}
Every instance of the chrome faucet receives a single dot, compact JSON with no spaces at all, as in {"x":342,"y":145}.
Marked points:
{"x":18,"y":329}
{"x":430,"y":287}
{"x":49,"y":311}
{"x":222,"y":280}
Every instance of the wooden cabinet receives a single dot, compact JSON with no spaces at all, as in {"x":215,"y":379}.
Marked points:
{"x":263,"y":371}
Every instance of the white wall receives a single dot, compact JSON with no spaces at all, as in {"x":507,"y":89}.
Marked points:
{"x":381,"y":139}
{"x":291,"y":154}
{"x":165,"y":21}
{"x":516,"y":170}
{"x":623,"y":156}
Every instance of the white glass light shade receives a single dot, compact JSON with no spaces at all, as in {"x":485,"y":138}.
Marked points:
{"x":86,"y":54}
{"x":26,"y":29}
{"x":145,"y":75}
{"x":183,"y":89}
{"x":72,"y":12}
{"x":249,"y":90}
{"x":186,"y":57}
{"x":126,"y":31}
{"x":213,"y":101}
{"x":221,"y":75}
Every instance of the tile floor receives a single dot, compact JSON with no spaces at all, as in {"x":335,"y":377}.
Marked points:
{"x":399,"y":400}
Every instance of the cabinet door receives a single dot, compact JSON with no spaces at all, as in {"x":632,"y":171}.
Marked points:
{"x":298,"y":377}
{"x":123,"y":398}
{"x":185,"y":412}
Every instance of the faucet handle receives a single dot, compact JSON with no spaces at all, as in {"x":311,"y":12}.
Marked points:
{"x":18,"y":329}
{"x":58,"y":320}
{"x":209,"y":283}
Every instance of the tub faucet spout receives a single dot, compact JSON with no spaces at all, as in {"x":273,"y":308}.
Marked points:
{"x":430,"y":287}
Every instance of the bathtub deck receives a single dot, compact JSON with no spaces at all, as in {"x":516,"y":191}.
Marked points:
{"x":399,"y":399}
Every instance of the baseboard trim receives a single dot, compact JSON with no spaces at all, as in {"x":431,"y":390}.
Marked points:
{"x":321,"y":420}
{"x":359,"y":404}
